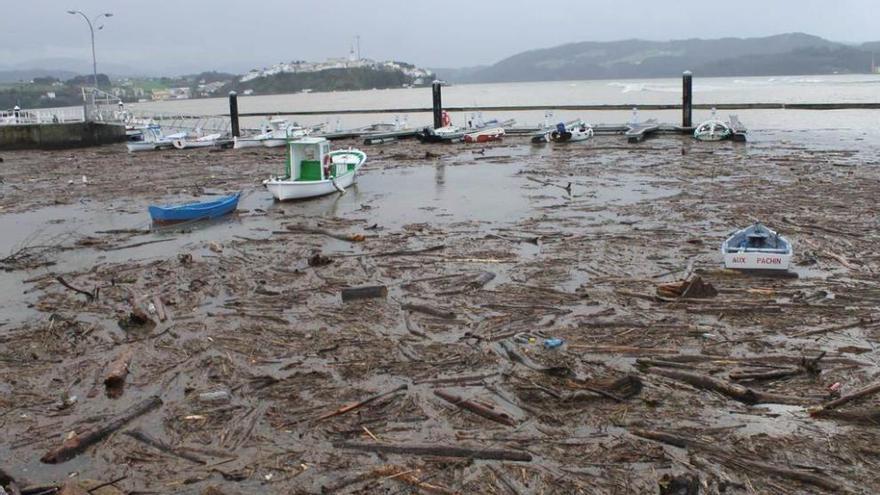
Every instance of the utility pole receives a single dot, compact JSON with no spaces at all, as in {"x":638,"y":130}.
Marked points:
{"x":92,"y":32}
{"x":358,"y":40}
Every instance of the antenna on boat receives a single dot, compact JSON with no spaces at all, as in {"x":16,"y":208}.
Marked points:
{"x":635,"y":116}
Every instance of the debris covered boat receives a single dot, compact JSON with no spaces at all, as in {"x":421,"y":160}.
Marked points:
{"x":194,"y":211}
{"x":757,"y":248}
{"x":313,"y":170}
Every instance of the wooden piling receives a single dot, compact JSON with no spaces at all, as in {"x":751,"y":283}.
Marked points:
{"x":437,"y":105}
{"x":233,"y":113}
{"x":687,"y":99}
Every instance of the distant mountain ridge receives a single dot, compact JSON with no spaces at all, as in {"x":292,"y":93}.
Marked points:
{"x":784,"y":54}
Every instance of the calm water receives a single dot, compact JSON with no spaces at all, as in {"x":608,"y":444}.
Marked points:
{"x":780,"y":89}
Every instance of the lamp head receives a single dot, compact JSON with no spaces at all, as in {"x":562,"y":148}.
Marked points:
{"x":71,"y":12}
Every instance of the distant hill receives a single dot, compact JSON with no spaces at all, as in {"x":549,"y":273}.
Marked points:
{"x":342,"y":79}
{"x":16,"y":75}
{"x":789,"y":54}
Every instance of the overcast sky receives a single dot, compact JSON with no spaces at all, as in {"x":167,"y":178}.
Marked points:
{"x":178,"y":36}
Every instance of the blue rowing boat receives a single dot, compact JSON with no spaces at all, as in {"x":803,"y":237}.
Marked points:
{"x":194,"y":211}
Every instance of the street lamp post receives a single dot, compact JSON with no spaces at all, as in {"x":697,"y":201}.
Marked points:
{"x":92,"y":32}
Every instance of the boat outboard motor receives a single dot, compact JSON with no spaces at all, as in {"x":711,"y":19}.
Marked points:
{"x":560,"y":128}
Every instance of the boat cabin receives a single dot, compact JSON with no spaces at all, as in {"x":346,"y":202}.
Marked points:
{"x":309,"y":159}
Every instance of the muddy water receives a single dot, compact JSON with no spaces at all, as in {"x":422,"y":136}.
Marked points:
{"x":441,"y":193}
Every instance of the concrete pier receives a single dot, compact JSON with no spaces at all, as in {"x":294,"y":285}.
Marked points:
{"x":59,"y":136}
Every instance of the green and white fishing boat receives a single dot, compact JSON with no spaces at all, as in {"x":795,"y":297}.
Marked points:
{"x":313,"y":170}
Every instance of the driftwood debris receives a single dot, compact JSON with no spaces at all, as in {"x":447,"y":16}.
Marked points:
{"x":485,"y":411}
{"x":439,"y":451}
{"x":732,"y":390}
{"x":694,"y":288}
{"x":858,"y":394}
{"x":162,"y":446}
{"x":428,"y":310}
{"x":514,"y":355}
{"x":738,"y":461}
{"x":90,"y":296}
{"x":76,"y":444}
{"x":356,"y":405}
{"x":409,"y":477}
{"x":114,"y":381}
{"x":294,"y":229}
{"x":367,"y":292}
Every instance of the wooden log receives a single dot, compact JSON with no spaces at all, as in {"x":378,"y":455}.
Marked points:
{"x":160,"y":308}
{"x":864,"y":392}
{"x":764,"y":375}
{"x":732,"y":390}
{"x":115,"y":378}
{"x":313,"y":230}
{"x":478,"y":409}
{"x":162,"y":446}
{"x":78,"y":443}
{"x":428,"y":310}
{"x":623,"y":349}
{"x":368,"y":292}
{"x":89,"y":296}
{"x":356,"y":405}
{"x":439,"y":451}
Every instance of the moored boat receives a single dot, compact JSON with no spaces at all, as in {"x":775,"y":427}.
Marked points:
{"x":194,"y":211}
{"x":562,"y":134}
{"x":485,"y":135}
{"x":313,"y":170}
{"x":756,"y":248}
{"x":200,"y":142}
{"x":714,"y":129}
{"x":152,"y":139}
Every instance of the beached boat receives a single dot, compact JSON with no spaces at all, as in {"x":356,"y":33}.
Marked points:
{"x":313,"y":170}
{"x":194,"y":211}
{"x":756,"y":248}
{"x":206,"y":141}
{"x":485,"y":135}
{"x":152,"y":140}
{"x":563,"y":134}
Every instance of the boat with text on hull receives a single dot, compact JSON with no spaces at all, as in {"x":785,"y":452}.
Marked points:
{"x":757,"y":248}
{"x":313,"y":170}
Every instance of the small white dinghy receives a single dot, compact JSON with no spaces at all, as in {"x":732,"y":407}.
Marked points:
{"x":756,"y":248}
{"x":313,"y":170}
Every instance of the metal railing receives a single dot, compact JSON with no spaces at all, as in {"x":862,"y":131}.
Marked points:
{"x":44,"y":116}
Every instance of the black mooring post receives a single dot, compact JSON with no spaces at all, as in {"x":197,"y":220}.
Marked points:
{"x":687,"y":98}
{"x":233,"y":113}
{"x":438,"y":106}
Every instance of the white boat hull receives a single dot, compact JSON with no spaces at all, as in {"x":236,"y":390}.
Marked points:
{"x":273,"y":143}
{"x":757,"y":261}
{"x":134,"y":146}
{"x":247,"y":143}
{"x":285,"y":190}
{"x":182,"y":144}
